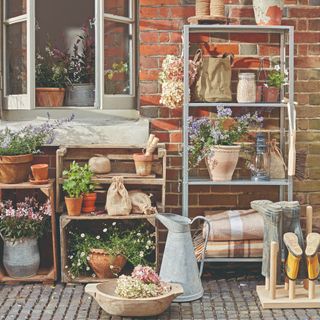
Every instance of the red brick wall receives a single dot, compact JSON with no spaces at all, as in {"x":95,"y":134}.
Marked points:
{"x":161,"y":22}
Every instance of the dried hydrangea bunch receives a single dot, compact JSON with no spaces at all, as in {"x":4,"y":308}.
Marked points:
{"x":144,"y":282}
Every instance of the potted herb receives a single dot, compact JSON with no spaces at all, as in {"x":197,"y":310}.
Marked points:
{"x":107,"y":252}
{"x":18,"y":146}
{"x":20,"y":228}
{"x":80,"y":88}
{"x":51,"y":77}
{"x":274,"y":82}
{"x":89,"y":196}
{"x":214,"y":141}
{"x":116,"y":79}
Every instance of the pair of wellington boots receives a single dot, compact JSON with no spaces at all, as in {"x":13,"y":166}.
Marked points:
{"x":295,"y":253}
{"x":279,"y":218}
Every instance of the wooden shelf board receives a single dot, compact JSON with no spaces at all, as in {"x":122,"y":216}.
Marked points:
{"x":134,"y":180}
{"x":43,"y":275}
{"x":105,"y":216}
{"x":282,"y":301}
{"x":26,"y":185}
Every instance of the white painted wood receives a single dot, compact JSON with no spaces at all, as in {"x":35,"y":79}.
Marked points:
{"x":31,"y":56}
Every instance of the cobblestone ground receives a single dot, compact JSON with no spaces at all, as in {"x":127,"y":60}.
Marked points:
{"x":229,"y":298}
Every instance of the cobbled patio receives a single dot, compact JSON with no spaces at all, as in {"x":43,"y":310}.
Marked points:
{"x":226,"y":297}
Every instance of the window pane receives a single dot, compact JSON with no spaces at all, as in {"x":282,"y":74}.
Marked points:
{"x":16,"y":58}
{"x":118,"y":7}
{"x":15,"y":8}
{"x":117,"y":58}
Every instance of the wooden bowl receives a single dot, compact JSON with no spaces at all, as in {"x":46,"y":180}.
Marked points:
{"x":104,"y":294}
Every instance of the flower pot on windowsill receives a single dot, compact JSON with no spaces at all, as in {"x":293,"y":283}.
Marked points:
{"x":74,"y":205}
{"x":222,"y":161}
{"x":15,"y":169}
{"x":49,"y":97}
{"x":89,"y":200}
{"x":271,"y":94}
{"x":80,"y":95}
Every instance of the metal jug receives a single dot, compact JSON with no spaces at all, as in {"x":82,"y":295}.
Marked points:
{"x":179,"y":263}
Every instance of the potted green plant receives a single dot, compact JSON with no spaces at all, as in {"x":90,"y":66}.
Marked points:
{"x":20,"y":228}
{"x":75,"y":185}
{"x":89,"y":196}
{"x":51,"y":77}
{"x":106,"y":252}
{"x":80,"y":87}
{"x":116,"y":79}
{"x":275,"y":80}
{"x":215,"y":141}
{"x":18,"y":146}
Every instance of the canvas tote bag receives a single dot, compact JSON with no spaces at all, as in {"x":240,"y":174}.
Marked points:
{"x":213,"y":83}
{"x":118,"y":200}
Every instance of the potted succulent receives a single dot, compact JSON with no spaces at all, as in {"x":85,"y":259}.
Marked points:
{"x":51,"y":77}
{"x":107,"y":252}
{"x":18,"y":146}
{"x":20,"y":228}
{"x":75,"y":185}
{"x":80,"y":87}
{"x":89,"y":196}
{"x":275,"y":80}
{"x":214,"y":141}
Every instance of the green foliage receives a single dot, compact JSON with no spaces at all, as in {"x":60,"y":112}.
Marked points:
{"x":276,"y":78}
{"x":136,"y":245}
{"x":78,"y":180}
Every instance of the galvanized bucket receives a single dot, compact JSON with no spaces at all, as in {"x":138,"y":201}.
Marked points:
{"x":179,"y":263}
{"x":21,"y":258}
{"x":80,"y":95}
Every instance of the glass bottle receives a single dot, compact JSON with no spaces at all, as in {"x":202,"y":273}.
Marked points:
{"x":261,"y":160}
{"x":246,"y":91}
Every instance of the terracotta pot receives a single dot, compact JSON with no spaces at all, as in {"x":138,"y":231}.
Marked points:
{"x":268,"y":12}
{"x":105,"y":265}
{"x":49,"y":97}
{"x":73,"y":206}
{"x":271,"y":94}
{"x":143,"y":164}
{"x":15,"y":169}
{"x":40,"y":172}
{"x":222,"y":162}
{"x":88,"y":204}
{"x":259,"y":91}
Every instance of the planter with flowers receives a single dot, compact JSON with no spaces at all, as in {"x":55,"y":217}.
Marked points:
{"x":21,"y":226}
{"x":18,"y":146}
{"x":215,"y":141}
{"x":51,"y":77}
{"x":104,"y":254}
{"x":275,"y":80}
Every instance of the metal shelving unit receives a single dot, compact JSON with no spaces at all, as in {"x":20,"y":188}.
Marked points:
{"x":286,"y":35}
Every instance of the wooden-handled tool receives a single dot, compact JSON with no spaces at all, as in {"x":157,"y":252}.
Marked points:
{"x":151,"y":144}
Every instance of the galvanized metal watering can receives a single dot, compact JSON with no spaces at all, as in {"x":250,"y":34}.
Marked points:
{"x":179,"y":263}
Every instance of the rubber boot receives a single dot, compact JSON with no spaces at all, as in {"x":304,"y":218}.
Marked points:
{"x":311,"y":252}
{"x":294,"y":255}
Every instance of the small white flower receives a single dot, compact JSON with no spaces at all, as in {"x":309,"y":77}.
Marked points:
{"x":286,"y":72}
{"x":277,"y":67}
{"x":82,"y":254}
{"x":149,"y":242}
{"x":139,"y":234}
{"x":66,"y":267}
{"x":71,"y":257}
{"x":78,"y":264}
{"x":105,"y":230}
{"x":88,"y":258}
{"x":141,"y":254}
{"x":147,"y":247}
{"x":82,"y":235}
{"x":114,"y":223}
{"x":98,"y":237}
{"x":93,"y":275}
{"x":73,"y":277}
{"x":87,"y":268}
{"x":111,"y":266}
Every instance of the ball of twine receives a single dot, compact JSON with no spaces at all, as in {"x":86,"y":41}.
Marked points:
{"x":202,"y":7}
{"x":217,"y":8}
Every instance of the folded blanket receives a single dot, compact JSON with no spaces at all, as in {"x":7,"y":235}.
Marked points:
{"x":232,"y":249}
{"x":234,"y":225}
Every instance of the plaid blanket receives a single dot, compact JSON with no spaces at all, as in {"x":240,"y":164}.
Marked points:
{"x":234,"y":225}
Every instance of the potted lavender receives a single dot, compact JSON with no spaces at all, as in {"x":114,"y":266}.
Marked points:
{"x":20,"y":228}
{"x":215,"y":141}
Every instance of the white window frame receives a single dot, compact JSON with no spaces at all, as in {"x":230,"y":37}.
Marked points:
{"x":102,"y":101}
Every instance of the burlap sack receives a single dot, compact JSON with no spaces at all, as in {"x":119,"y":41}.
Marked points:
{"x":141,"y":202}
{"x":99,"y":164}
{"x":118,"y":200}
{"x":213,"y":82}
{"x":277,"y":164}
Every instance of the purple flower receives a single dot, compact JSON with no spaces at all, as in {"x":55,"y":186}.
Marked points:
{"x":224,"y":112}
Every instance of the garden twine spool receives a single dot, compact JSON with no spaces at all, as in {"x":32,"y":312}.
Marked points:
{"x":217,"y":8}
{"x":202,"y":7}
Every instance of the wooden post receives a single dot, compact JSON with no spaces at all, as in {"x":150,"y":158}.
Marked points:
{"x":286,"y":283}
{"x":309,"y":214}
{"x":312,"y":289}
{"x":267,"y":283}
{"x":273,"y":268}
{"x":292,"y":289}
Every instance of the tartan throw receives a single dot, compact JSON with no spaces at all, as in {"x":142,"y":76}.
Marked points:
{"x":234,"y":225}
{"x":232,"y":249}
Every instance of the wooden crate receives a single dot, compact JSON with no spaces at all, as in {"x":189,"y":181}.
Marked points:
{"x":122,"y":164}
{"x":67,"y":222}
{"x":48,"y":243}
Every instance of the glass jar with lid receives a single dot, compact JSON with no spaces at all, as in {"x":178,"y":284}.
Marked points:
{"x":246,"y":92}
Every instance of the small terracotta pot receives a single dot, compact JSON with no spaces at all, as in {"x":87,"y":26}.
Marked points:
{"x":73,"y":206}
{"x":15,"y":169}
{"x":40,"y":172}
{"x":271,"y":94}
{"x":143,"y":163}
{"x":259,"y":91}
{"x":49,"y":97}
{"x":88,"y":204}
{"x":105,"y":265}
